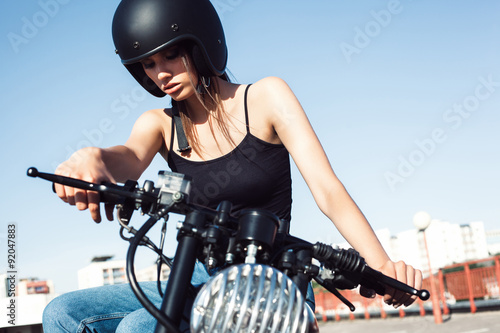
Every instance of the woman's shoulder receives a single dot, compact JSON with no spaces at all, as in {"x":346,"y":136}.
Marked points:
{"x":268,"y":86}
{"x":271,"y":89}
{"x":159,"y":119}
{"x":157,"y":114}
{"x":270,"y":83}
{"x":270,"y":92}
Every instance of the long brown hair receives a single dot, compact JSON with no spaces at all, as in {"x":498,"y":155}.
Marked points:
{"x":210,"y":98}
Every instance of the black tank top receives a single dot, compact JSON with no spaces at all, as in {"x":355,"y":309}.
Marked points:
{"x":255,"y":174}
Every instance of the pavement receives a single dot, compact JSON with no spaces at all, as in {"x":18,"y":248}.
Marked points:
{"x":479,"y":322}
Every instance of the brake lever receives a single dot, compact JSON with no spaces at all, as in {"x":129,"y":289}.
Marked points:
{"x":377,"y":281}
{"x":353,"y":265}
{"x":382,"y":280}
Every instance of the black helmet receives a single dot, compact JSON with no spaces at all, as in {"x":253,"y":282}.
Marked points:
{"x":144,"y":27}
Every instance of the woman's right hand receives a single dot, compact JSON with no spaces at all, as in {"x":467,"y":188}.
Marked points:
{"x":85,"y":164}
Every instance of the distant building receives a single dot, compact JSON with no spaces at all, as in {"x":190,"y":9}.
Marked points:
{"x":151,"y":273}
{"x":493,"y":240}
{"x":474,"y":239}
{"x":447,"y":243}
{"x":102,"y":272}
{"x":32,"y":295}
{"x":33,"y":286}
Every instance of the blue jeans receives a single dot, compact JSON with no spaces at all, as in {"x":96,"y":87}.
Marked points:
{"x":115,"y":308}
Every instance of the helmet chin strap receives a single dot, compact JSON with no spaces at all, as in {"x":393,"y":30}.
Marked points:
{"x":181,"y":135}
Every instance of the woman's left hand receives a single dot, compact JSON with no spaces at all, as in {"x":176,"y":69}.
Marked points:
{"x":403,"y":273}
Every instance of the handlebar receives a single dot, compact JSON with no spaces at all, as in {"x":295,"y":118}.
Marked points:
{"x":146,"y":198}
{"x":352,"y":262}
{"x":110,"y":193}
{"x":348,"y":267}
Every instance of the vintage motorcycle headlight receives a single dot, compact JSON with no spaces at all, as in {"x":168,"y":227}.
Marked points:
{"x":250,"y":298}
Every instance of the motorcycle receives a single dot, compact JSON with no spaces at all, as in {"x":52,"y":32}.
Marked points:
{"x":261,"y":273}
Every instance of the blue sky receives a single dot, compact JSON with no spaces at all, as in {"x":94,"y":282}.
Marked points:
{"x":404,"y":96}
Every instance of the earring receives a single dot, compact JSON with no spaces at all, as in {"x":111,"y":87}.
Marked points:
{"x":203,"y":84}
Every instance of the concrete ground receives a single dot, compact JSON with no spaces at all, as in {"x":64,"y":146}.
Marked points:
{"x":480,"y":322}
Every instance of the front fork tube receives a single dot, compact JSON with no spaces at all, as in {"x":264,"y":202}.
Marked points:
{"x":180,"y":276}
{"x":302,"y":277}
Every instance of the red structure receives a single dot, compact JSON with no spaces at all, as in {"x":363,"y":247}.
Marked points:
{"x":472,"y":280}
{"x":479,"y":279}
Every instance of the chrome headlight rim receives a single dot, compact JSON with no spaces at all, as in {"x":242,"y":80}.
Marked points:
{"x":252,"y":298}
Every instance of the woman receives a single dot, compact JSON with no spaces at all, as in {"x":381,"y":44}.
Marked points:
{"x":234,"y":140}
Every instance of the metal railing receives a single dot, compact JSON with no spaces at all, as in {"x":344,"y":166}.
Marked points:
{"x":464,"y":283}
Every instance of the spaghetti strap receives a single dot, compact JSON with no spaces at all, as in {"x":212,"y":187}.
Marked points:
{"x":246,"y":109}
{"x":172,"y":132}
